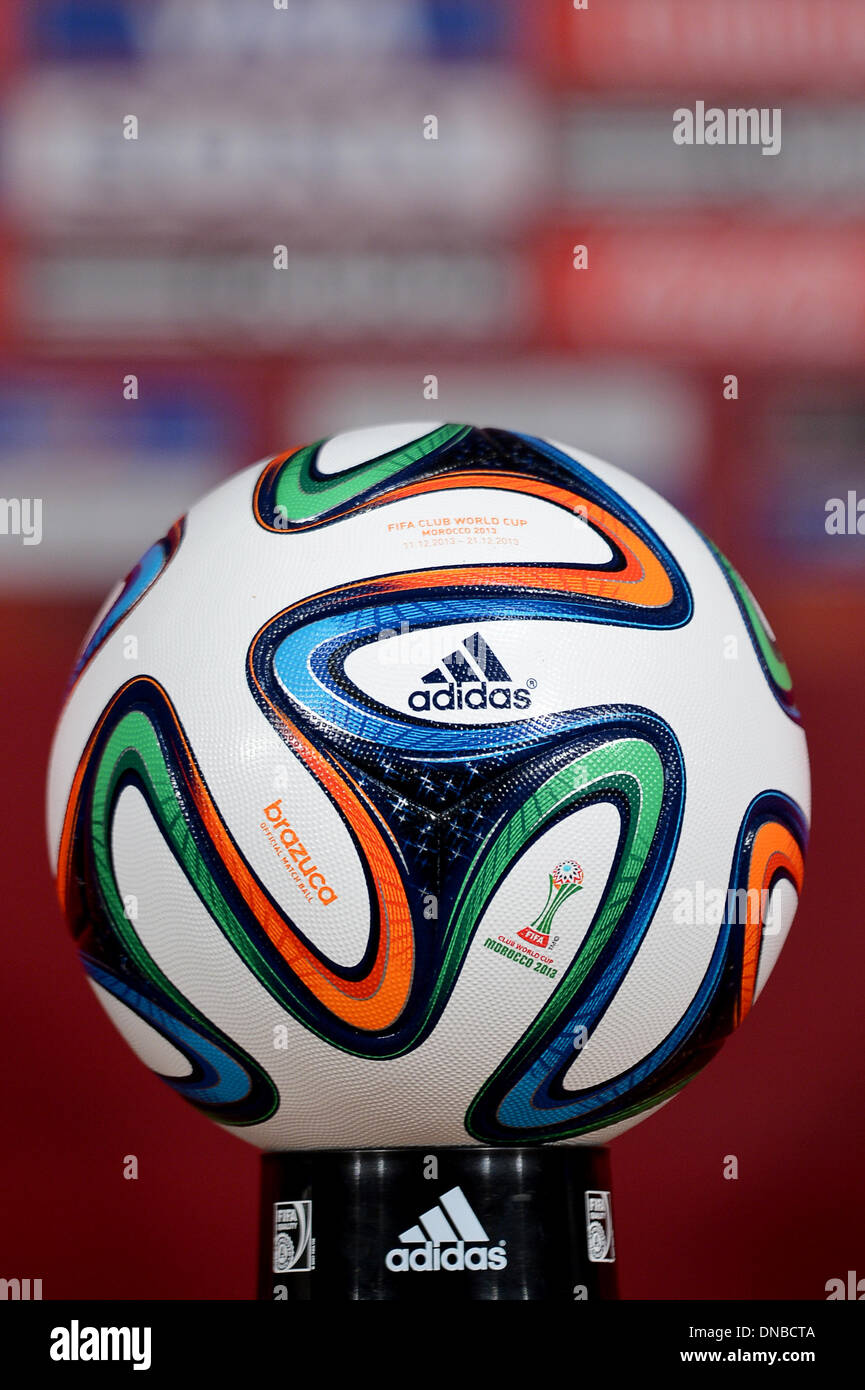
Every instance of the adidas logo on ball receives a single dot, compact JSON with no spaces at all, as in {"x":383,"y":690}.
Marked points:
{"x":447,"y":1237}
{"x":472,"y":677}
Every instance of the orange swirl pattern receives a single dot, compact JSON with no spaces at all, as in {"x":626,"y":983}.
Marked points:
{"x":370,"y":1003}
{"x":774,"y":851}
{"x":643,"y":580}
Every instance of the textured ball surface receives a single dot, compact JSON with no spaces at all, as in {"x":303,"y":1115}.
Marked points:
{"x":429,"y":785}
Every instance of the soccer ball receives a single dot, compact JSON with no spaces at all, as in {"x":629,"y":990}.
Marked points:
{"x":429,"y":785}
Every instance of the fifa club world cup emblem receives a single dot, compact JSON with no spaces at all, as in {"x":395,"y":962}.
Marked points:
{"x":565,"y":880}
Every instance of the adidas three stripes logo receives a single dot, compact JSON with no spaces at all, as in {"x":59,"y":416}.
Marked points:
{"x":473,"y":660}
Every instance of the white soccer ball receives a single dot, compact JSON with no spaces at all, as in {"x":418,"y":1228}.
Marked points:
{"x":429,"y":785}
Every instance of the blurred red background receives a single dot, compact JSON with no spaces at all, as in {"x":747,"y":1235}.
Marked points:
{"x":407,"y":259}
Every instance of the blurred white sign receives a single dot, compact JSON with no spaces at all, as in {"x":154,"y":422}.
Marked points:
{"x":337,"y":152}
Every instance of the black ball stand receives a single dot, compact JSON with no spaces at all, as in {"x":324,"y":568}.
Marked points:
{"x":441,"y":1225}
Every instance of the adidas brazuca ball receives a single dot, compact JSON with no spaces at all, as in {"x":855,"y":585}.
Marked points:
{"x":429,"y":785}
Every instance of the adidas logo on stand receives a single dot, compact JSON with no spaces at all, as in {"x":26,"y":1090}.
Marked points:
{"x":472,"y":677}
{"x":447,"y":1237}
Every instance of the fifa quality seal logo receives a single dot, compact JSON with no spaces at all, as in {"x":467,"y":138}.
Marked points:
{"x":565,"y":880}
{"x":293,"y":1245}
{"x":599,"y":1228}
